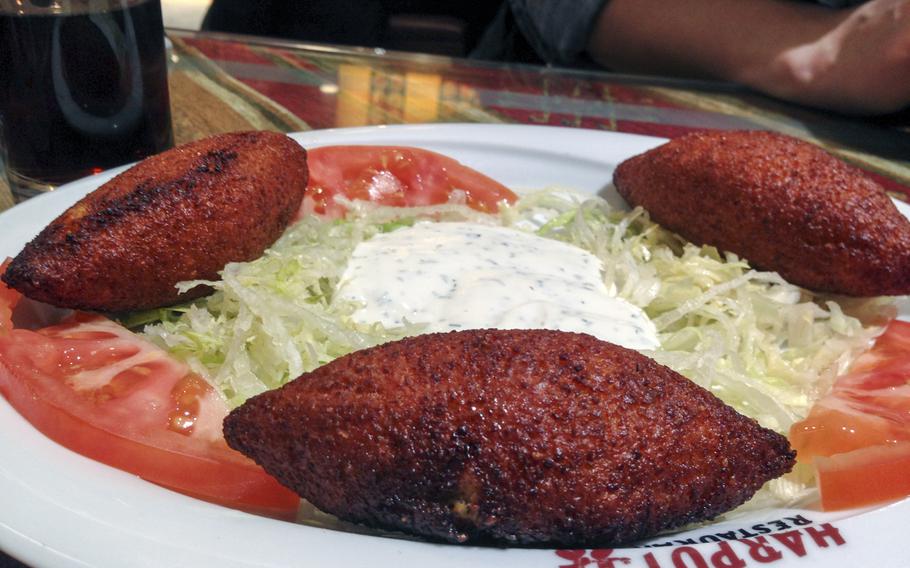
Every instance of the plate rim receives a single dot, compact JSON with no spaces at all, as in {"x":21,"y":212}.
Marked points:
{"x":33,"y":549}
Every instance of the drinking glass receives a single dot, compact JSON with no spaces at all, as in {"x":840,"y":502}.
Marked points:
{"x":83,"y":87}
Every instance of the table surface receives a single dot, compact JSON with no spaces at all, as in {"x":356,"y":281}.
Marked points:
{"x":221,"y":83}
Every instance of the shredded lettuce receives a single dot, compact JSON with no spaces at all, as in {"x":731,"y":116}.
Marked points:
{"x":273,"y":319}
{"x":762,"y":345}
{"x":765,"y":347}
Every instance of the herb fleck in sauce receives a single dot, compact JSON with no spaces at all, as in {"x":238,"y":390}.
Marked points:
{"x":454,"y":276}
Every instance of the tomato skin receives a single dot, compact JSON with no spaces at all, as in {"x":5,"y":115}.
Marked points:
{"x":864,"y":477}
{"x":48,"y":376}
{"x":397,"y":176}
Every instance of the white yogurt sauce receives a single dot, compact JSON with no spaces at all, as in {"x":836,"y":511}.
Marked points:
{"x":455,"y":276}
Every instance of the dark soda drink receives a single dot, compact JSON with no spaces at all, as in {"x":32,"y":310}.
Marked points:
{"x":83,"y":87}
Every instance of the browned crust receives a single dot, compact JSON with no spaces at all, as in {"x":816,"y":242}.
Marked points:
{"x":179,"y":215}
{"x":781,"y":203}
{"x":520,"y":437}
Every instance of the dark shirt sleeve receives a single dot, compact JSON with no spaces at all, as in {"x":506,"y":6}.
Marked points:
{"x":557,"y":29}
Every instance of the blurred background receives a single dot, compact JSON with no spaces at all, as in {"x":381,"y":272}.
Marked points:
{"x":441,"y":27}
{"x":184,"y":14}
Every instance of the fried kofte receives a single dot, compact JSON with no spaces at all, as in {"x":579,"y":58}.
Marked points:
{"x":513,"y":437}
{"x":781,"y":203}
{"x":180,"y":215}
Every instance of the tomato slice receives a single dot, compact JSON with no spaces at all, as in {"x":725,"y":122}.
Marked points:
{"x":858,"y":436}
{"x":864,"y":477}
{"x":868,"y":406}
{"x":100,"y":390}
{"x":398,"y":176}
{"x":104,"y":392}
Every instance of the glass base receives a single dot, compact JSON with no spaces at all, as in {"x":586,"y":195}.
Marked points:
{"x":24,"y":187}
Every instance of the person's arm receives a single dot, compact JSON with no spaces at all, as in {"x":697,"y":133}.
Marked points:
{"x":854,"y":60}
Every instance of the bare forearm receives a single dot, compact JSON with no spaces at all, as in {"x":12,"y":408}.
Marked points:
{"x":708,"y":38}
{"x":849,"y":60}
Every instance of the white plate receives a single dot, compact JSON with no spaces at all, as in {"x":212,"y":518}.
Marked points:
{"x":60,"y":509}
